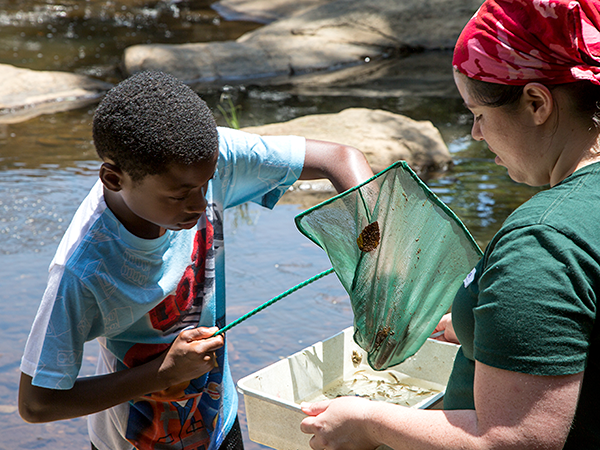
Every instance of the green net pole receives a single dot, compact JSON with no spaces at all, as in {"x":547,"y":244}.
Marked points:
{"x":273,"y":300}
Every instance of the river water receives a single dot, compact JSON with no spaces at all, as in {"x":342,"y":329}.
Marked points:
{"x":48,"y":163}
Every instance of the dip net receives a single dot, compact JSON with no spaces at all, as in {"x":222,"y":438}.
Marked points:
{"x":399,"y":252}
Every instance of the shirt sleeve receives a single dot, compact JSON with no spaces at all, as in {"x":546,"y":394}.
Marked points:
{"x":257,"y":168}
{"x":536,"y":306}
{"x":64,"y":322}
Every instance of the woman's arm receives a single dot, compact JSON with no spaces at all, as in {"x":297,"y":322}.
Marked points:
{"x":343,"y":165}
{"x":513,"y":411}
{"x":191,"y":355}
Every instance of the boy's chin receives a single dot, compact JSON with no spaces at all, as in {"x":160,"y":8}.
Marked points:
{"x":185,"y":226}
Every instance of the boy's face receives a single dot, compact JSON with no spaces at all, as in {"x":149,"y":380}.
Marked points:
{"x":173,"y":200}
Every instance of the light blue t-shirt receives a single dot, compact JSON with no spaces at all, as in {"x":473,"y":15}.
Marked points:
{"x":135,"y":295}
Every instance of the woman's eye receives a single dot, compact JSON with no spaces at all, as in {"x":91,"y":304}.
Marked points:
{"x":477,"y":118}
{"x":178,"y":199}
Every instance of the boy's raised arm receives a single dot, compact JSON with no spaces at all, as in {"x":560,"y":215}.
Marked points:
{"x":190,"y":356}
{"x":343,"y":165}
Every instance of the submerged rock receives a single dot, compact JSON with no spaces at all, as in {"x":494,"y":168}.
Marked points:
{"x":263,"y":11}
{"x":426,"y":74}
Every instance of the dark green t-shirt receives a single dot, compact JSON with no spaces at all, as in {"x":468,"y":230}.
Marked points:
{"x":530,"y":304}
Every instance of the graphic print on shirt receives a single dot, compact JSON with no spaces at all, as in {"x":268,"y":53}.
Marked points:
{"x":178,"y":416}
{"x":177,"y":424}
{"x":184,"y":307}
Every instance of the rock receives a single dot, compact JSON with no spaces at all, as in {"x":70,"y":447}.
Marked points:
{"x":263,"y":11}
{"x":332,"y":35}
{"x":28,"y":93}
{"x":383,"y":137}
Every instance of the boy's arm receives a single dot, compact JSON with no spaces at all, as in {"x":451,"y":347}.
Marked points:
{"x":343,"y":165}
{"x":191,"y":355}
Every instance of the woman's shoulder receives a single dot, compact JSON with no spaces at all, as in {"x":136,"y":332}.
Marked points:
{"x":571,"y":203}
{"x":568,"y":210}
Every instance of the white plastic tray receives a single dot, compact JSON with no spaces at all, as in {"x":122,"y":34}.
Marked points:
{"x":337,"y":366}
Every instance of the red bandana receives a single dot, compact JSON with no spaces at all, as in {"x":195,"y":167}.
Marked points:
{"x":514,"y":42}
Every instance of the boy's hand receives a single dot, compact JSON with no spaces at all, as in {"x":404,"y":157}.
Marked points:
{"x":190,"y":356}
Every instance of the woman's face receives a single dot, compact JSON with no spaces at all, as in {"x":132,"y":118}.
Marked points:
{"x":511,"y":136}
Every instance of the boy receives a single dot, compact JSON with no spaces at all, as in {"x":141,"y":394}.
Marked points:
{"x":141,"y":268}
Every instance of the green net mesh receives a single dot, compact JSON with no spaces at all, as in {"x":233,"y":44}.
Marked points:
{"x":399,"y":252}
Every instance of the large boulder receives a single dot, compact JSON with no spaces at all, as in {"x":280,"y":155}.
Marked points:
{"x":263,"y":11}
{"x":28,"y":93}
{"x":329,"y":36}
{"x":383,"y":137}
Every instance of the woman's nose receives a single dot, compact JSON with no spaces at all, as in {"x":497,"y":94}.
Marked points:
{"x":476,"y":131}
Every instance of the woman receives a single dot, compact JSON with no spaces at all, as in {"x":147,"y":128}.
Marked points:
{"x":527,"y":373}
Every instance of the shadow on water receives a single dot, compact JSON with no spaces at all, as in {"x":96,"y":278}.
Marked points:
{"x":48,"y":163}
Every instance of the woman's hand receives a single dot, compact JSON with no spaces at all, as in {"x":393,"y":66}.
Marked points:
{"x":514,"y":410}
{"x":339,"y":424}
{"x":445,"y":325}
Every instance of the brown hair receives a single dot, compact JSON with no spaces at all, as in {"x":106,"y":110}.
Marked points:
{"x":584,"y":95}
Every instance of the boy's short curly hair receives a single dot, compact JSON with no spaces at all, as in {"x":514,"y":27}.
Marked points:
{"x":150,"y":121}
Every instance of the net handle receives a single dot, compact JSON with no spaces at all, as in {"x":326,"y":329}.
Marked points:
{"x":273,"y":300}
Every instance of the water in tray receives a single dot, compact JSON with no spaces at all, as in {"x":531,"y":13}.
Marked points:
{"x":390,"y":386}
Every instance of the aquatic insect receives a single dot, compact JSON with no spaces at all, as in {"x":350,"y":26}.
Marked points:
{"x":381,"y":335}
{"x":369,"y":237}
{"x":356,"y":357}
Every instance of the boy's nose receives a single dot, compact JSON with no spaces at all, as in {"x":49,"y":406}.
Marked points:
{"x":197,"y":203}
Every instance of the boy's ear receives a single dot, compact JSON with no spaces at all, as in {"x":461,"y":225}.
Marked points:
{"x":111,"y":177}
